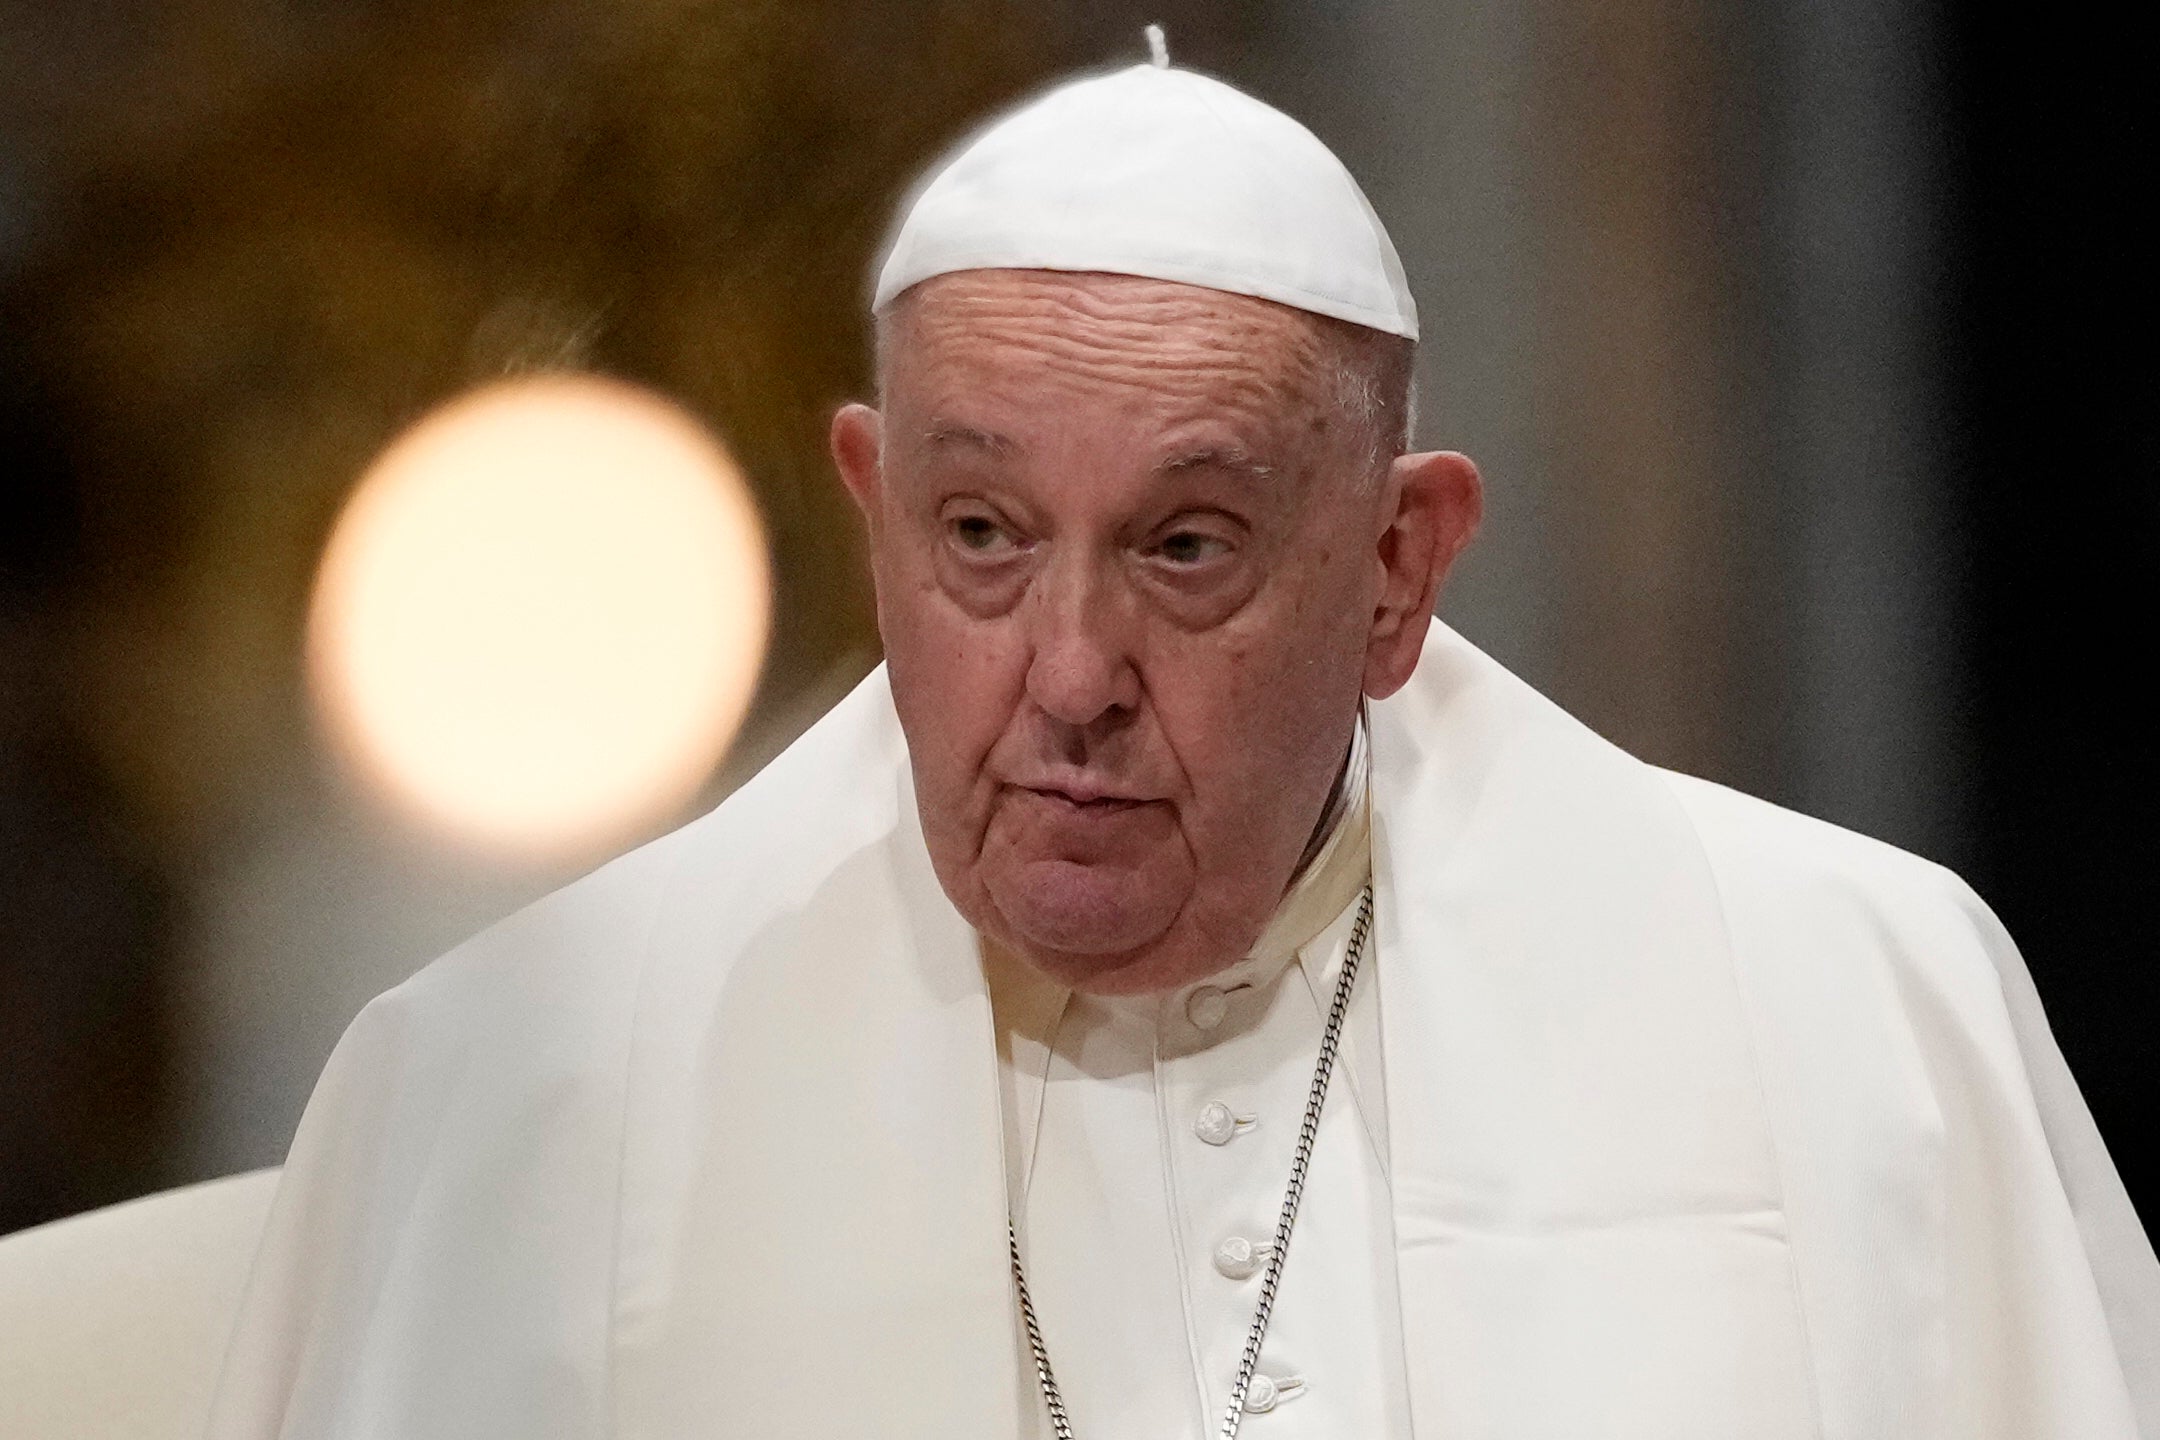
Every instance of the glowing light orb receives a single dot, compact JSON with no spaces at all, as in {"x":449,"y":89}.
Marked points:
{"x":541,"y":616}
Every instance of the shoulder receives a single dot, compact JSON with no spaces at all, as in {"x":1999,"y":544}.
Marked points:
{"x":554,"y":985}
{"x":504,"y":1068}
{"x":548,"y":973}
{"x":1874,"y":986}
{"x":1748,"y":837}
{"x":1801,"y":891}
{"x":1738,"y":828}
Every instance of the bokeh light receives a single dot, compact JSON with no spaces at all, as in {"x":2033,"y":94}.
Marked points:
{"x":541,"y":616}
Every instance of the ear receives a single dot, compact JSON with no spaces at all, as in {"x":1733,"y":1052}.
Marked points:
{"x":1433,"y":504}
{"x":858,"y":447}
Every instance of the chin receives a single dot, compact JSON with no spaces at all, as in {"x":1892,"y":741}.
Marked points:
{"x":1101,"y":931}
{"x":1100,"y":911}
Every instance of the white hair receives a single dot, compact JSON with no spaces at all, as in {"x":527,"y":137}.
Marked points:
{"x":1383,"y":404}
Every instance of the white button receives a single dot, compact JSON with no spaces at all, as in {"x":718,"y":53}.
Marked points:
{"x":1264,"y":1394}
{"x":1240,"y":1259}
{"x":1218,"y":1124}
{"x":1206,"y":1007}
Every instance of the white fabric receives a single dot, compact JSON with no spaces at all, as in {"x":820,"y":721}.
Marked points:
{"x":1704,"y":1120}
{"x":113,"y":1323}
{"x":1122,"y":1202}
{"x":1158,"y":172}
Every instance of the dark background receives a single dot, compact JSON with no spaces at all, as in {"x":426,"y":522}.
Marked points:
{"x":1806,"y":351}
{"x":2053,"y":361}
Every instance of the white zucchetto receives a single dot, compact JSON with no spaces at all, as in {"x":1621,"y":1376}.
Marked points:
{"x":1159,"y":172}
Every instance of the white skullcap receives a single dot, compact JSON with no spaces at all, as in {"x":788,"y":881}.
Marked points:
{"x":1164,"y":173}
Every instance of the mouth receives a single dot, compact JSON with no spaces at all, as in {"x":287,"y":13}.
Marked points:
{"x":1083,"y":799}
{"x":1079,"y":789}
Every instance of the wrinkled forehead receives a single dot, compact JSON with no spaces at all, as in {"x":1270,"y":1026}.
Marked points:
{"x":1061,"y":332}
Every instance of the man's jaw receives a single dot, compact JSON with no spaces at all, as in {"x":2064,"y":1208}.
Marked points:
{"x":1181,"y":955}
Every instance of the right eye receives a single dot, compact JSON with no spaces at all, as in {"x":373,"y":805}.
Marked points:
{"x":981,"y":534}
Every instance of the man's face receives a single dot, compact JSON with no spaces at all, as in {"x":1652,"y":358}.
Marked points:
{"x":1127,"y":549}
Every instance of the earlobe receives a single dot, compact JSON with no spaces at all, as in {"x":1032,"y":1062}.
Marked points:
{"x":858,"y":444}
{"x":1439,"y":500}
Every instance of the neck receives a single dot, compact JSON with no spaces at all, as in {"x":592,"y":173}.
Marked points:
{"x":1336,"y":862}
{"x":1338,"y":804}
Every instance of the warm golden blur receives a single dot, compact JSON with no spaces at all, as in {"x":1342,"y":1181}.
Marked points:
{"x":541,"y":617}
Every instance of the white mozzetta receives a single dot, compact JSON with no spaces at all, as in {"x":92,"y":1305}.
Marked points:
{"x":1703,"y":1120}
{"x":1164,"y":173}
{"x":113,"y":1324}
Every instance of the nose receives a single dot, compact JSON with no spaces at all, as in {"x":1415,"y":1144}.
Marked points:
{"x":1082,"y":667}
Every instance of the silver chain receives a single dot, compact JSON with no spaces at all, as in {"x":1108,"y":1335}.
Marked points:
{"x":1308,"y":1134}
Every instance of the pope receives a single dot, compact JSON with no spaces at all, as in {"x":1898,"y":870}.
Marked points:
{"x":1187,"y":990}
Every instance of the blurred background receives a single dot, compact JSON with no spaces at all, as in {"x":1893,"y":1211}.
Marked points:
{"x":1805,"y":347}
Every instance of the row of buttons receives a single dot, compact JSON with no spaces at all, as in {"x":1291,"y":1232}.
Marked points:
{"x":1236,"y":1257}
{"x":1240,"y":1259}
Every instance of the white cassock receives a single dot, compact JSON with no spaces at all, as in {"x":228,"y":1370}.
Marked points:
{"x":1669,"y":1116}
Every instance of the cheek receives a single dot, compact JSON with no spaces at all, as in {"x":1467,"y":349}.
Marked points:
{"x":1263,"y":674}
{"x":954,"y":681}
{"x":1254,"y":713}
{"x":1211,"y":699}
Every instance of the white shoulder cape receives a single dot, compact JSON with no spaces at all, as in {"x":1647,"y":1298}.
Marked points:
{"x":1707,"y":1121}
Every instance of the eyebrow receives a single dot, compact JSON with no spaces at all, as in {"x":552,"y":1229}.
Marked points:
{"x":968,"y":437}
{"x":1216,"y":458}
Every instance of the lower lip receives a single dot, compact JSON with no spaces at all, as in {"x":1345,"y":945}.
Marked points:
{"x":1050,"y":825}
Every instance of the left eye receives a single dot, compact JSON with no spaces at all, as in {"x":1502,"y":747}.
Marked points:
{"x":1190,"y":547}
{"x":980,"y":534}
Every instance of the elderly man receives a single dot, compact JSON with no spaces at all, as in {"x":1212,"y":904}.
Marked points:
{"x":1187,"y":989}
